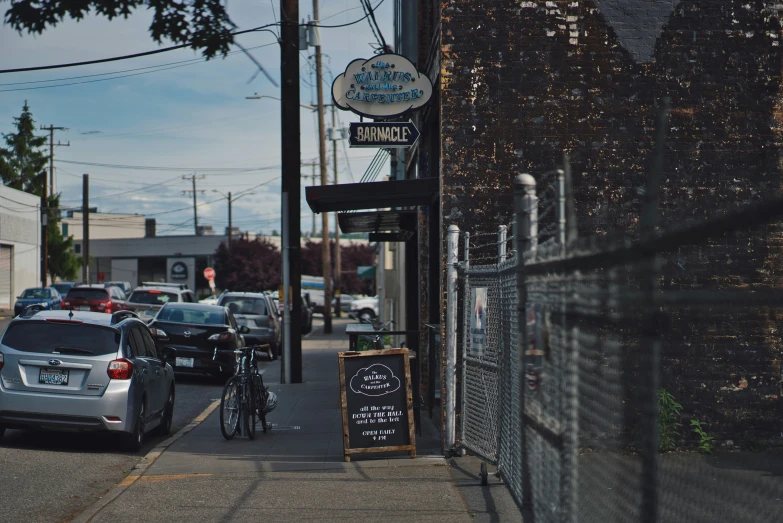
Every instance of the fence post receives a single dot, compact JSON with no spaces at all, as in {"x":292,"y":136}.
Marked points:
{"x":524,"y":204}
{"x":452,"y":259}
{"x":502,"y":235}
{"x":561,"y":207}
{"x":466,"y":258}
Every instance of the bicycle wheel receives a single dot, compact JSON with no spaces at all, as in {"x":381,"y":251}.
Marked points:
{"x":249,"y":408}
{"x":229,"y":409}
{"x":261,"y":402}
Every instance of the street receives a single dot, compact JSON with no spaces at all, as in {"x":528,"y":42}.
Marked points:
{"x":51,"y":476}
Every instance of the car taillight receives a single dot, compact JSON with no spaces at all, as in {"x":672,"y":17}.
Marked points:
{"x":2,"y":361}
{"x":223,"y":336}
{"x":106,"y":306}
{"x":121,"y":369}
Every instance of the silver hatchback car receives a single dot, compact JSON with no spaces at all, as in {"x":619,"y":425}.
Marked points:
{"x":73,"y":370}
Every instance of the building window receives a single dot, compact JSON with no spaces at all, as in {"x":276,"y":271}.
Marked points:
{"x":77,"y":248}
{"x":65,"y":230}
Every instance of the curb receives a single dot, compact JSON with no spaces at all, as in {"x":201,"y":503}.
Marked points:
{"x":140,"y":468}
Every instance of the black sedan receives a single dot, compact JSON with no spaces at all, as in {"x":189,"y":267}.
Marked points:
{"x":201,"y":337}
{"x":254,"y":310}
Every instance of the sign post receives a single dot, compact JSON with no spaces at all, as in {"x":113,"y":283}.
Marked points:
{"x":377,"y":402}
{"x":209,"y":274}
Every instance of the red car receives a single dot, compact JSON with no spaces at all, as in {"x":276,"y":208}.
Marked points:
{"x":95,"y":299}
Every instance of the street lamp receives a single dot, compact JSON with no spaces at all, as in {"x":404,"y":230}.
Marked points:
{"x":228,"y":196}
{"x":257,"y":96}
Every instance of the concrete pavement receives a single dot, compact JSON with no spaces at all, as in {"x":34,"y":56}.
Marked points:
{"x":296,"y":472}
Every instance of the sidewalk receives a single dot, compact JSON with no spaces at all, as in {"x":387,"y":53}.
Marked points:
{"x":296,"y":472}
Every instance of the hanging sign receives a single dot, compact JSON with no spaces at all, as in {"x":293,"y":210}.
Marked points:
{"x":390,"y":135}
{"x":377,"y":403}
{"x":383,"y":86}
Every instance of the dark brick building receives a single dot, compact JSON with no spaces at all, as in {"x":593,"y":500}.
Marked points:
{"x":521,"y":82}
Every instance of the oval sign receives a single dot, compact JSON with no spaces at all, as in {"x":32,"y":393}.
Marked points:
{"x":383,"y":86}
{"x":209,"y":273}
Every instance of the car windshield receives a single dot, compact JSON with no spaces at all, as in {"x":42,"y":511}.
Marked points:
{"x":242,"y":305}
{"x":88,"y":293}
{"x":192,"y":316}
{"x":62,"y":288}
{"x":152,"y":297}
{"x":36,"y":293}
{"x":46,"y":337}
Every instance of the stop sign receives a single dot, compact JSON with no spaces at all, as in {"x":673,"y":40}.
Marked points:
{"x":209,"y":273}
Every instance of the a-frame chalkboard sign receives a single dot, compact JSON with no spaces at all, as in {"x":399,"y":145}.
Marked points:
{"x":377,"y":404}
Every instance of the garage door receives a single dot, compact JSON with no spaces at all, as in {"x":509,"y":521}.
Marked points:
{"x":5,"y":276}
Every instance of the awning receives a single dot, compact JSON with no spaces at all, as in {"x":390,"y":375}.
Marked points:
{"x":372,"y":195}
{"x":377,"y":221}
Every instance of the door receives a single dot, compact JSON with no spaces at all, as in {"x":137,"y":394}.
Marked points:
{"x":5,"y":277}
{"x":145,"y":372}
{"x":157,"y":385}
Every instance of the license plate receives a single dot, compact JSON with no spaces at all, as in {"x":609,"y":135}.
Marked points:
{"x":83,"y":307}
{"x":53,"y":376}
{"x":184,"y":362}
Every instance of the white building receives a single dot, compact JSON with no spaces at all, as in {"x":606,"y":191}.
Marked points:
{"x":104,"y":226}
{"x":20,"y":243}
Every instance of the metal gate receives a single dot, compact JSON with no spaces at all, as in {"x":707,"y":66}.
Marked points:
{"x":5,"y":276}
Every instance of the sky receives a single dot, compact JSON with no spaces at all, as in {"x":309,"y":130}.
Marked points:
{"x":155,"y":120}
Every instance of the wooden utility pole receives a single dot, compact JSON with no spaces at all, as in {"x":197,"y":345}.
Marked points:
{"x":193,"y":178}
{"x":51,"y":130}
{"x":291,"y":186}
{"x":44,"y":234}
{"x":230,"y":231}
{"x":337,"y":268}
{"x":86,"y":228}
{"x":325,"y":251}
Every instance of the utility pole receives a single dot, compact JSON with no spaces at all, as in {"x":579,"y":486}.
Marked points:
{"x":86,"y":228}
{"x":325,"y":250}
{"x":51,"y":130}
{"x":337,"y":266}
{"x":230,"y":231}
{"x":44,"y":234}
{"x":291,"y":188}
{"x":193,"y":178}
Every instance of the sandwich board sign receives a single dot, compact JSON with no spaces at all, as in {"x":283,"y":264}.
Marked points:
{"x":377,"y":402}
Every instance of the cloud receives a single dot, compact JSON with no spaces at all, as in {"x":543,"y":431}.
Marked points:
{"x":383,"y":86}
{"x":375,"y":380}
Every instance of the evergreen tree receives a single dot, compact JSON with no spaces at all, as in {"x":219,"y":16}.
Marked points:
{"x":22,"y":163}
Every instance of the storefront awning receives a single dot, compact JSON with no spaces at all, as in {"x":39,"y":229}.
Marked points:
{"x":377,"y":221}
{"x":371,"y":195}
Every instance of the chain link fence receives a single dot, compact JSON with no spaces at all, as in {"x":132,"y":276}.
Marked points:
{"x":570,"y":348}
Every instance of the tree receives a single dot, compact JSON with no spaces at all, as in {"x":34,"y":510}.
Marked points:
{"x":22,"y":163}
{"x":200,"y":24}
{"x":251,"y":266}
{"x":63,"y":263}
{"x":351,"y":256}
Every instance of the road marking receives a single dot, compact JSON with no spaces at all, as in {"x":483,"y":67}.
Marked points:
{"x":140,"y":468}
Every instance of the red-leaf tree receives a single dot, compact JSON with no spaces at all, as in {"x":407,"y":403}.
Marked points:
{"x":352,"y":256}
{"x":251,"y":266}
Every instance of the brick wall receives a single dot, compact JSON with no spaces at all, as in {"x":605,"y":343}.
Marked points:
{"x":522,"y":82}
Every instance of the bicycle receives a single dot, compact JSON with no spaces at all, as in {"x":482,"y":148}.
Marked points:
{"x":245,"y":400}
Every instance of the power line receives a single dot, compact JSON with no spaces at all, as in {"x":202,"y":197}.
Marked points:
{"x":228,"y":170}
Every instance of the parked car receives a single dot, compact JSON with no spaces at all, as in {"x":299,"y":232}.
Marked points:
{"x":307,"y":313}
{"x":345,"y":302}
{"x":75,"y":370}
{"x":64,"y":286}
{"x":364,"y":309}
{"x":180,"y":286}
{"x":255,"y":311}
{"x":147,"y":301}
{"x":201,"y":337}
{"x":95,"y":299}
{"x":124,"y":285}
{"x":47,"y":297}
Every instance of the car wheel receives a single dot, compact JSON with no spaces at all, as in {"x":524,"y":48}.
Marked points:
{"x":2,"y":431}
{"x":164,"y":429}
{"x":135,"y":440}
{"x":366,"y":316}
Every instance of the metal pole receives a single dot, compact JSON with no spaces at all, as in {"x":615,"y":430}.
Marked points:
{"x":86,"y":228}
{"x":291,"y":169}
{"x":230,"y":231}
{"x":337,"y":257}
{"x":195,"y":211}
{"x":502,"y":235}
{"x":44,"y":233}
{"x":561,"y":207}
{"x":314,"y":224}
{"x":381,"y":281}
{"x":286,"y":366}
{"x":524,"y":202}
{"x":452,"y":257}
